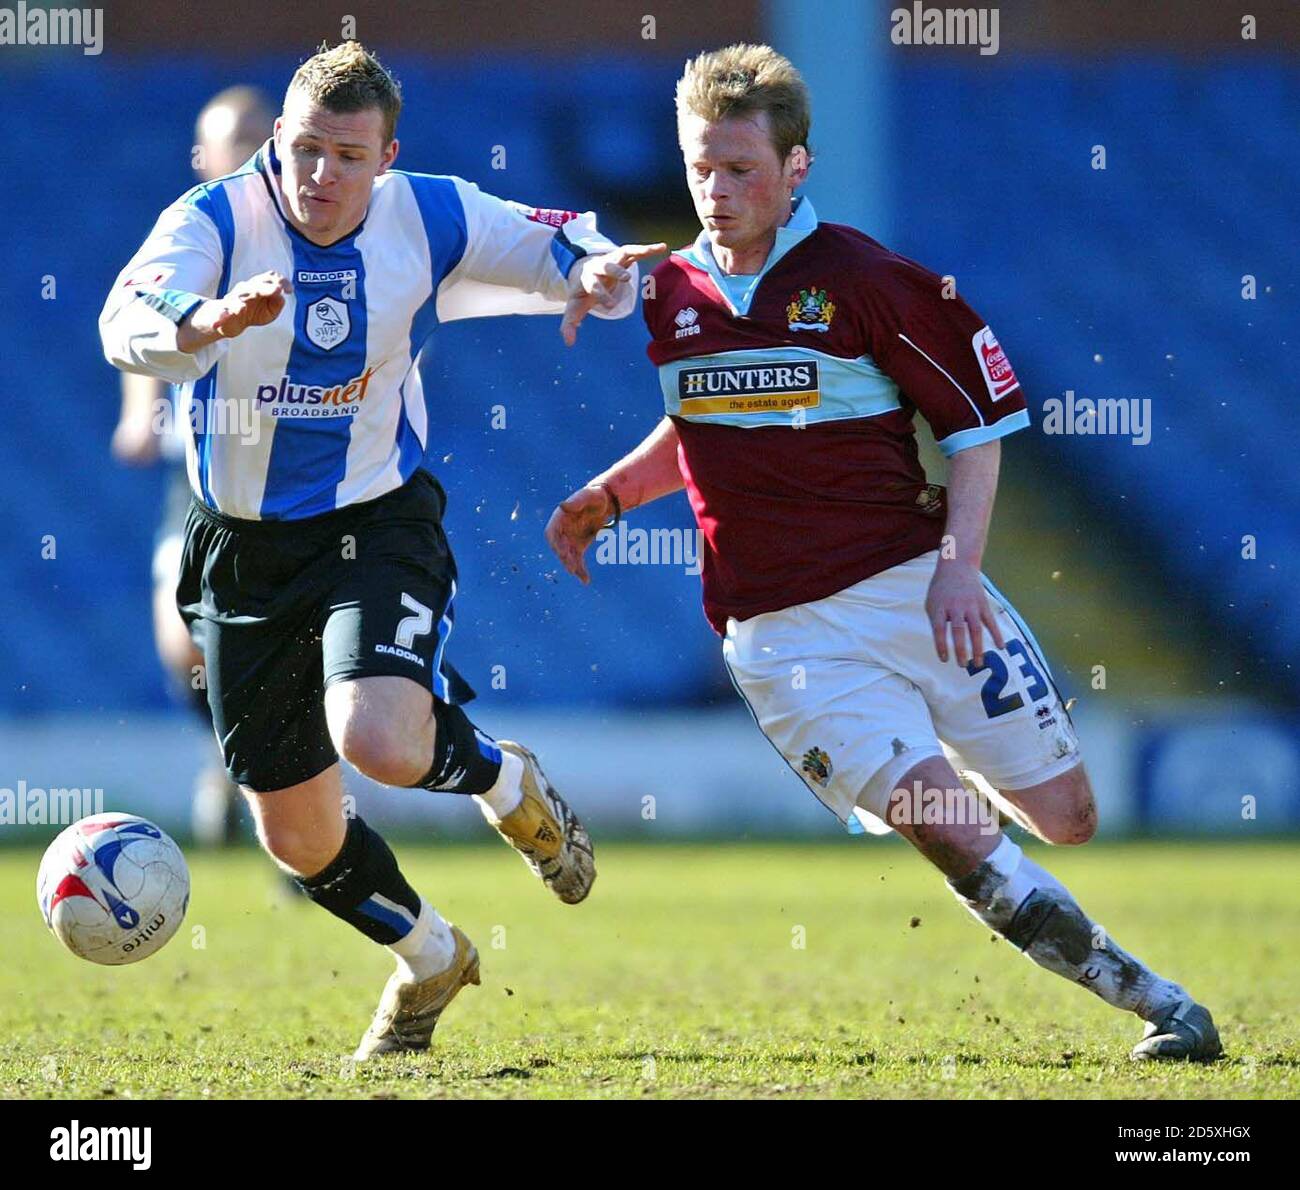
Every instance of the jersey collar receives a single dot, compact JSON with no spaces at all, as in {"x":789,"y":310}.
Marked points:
{"x":801,"y":224}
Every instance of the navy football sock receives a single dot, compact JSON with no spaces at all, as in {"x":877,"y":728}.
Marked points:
{"x":464,"y":759}
{"x":364,"y":886}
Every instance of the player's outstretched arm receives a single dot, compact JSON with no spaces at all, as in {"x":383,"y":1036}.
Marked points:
{"x":643,"y":474}
{"x":176,"y":268}
{"x":520,"y":259}
{"x":956,"y":596}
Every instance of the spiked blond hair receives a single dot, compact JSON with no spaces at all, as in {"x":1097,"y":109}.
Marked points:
{"x":349,"y":78}
{"x":742,"y":80}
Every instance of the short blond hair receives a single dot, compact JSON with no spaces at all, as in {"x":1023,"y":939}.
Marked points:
{"x":349,"y":78}
{"x":742,"y":80}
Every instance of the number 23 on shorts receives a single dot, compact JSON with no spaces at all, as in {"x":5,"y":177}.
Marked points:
{"x":995,"y":702}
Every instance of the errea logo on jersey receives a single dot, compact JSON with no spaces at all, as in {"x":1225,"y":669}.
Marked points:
{"x":311,"y":400}
{"x":994,"y":364}
{"x":688,"y":322}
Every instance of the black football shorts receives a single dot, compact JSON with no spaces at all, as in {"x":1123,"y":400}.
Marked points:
{"x":283,"y":608}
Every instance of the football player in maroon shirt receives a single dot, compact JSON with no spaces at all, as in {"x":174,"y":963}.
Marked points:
{"x":857,"y":625}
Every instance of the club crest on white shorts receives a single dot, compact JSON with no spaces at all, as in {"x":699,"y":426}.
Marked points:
{"x":858,"y":672}
{"x":818,"y":766}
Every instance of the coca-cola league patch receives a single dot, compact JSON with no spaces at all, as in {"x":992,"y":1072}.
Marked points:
{"x":994,"y":364}
{"x":549,"y":215}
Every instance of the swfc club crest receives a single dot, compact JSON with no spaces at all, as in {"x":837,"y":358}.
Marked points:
{"x":817,"y":765}
{"x":810,"y":309}
{"x":328,"y":323}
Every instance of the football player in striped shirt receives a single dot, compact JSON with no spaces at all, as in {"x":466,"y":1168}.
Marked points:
{"x":291,"y":300}
{"x":856,"y":623}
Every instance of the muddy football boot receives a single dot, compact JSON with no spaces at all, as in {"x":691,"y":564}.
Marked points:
{"x":1186,"y":1033}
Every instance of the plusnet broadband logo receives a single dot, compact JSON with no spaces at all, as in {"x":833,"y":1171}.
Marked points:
{"x":287,"y":399}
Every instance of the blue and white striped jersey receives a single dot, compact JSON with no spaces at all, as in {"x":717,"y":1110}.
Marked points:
{"x":324,"y":406}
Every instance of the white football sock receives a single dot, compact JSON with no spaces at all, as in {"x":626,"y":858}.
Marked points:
{"x":428,"y":949}
{"x":507,"y":790}
{"x":1036,"y":913}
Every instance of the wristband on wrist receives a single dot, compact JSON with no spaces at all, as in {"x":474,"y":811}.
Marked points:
{"x":618,"y":508}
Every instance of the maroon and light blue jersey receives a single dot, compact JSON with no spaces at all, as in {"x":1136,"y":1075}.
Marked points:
{"x":793,"y":394}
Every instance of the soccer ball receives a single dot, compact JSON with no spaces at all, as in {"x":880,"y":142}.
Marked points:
{"x":113,"y":888}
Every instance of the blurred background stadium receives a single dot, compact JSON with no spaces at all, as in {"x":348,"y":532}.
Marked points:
{"x":1159,"y":577}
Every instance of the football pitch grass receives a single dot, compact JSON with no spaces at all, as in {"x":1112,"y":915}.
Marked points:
{"x":836,"y":969}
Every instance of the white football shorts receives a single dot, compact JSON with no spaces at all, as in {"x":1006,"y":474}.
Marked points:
{"x":849,"y":689}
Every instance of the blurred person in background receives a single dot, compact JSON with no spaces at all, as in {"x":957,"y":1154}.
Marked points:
{"x":229,"y":130}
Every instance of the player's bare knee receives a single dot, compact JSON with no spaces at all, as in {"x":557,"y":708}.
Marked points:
{"x":374,"y":733}
{"x":380,"y":750}
{"x":1077,"y":809}
{"x":297,"y":839}
{"x":291,"y":847}
{"x":1074,"y":825}
{"x":375,"y":754}
{"x":1061,"y":810}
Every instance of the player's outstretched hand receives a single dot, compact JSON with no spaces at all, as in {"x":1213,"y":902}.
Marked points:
{"x":957,"y":597}
{"x":255,"y":302}
{"x":573,"y":527}
{"x":594,"y":281}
